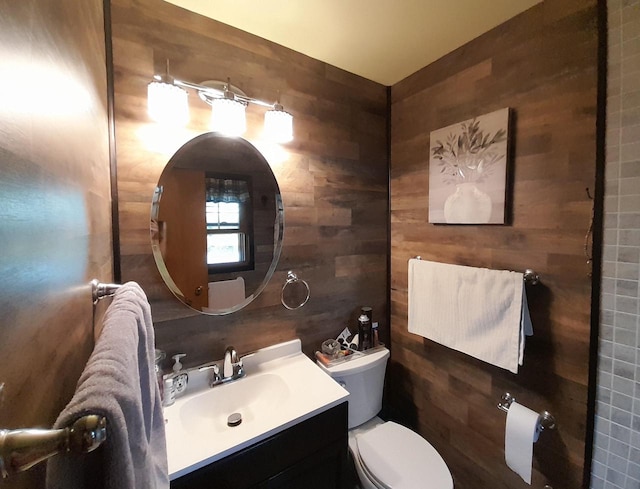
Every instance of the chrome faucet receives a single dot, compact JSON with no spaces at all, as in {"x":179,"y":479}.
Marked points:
{"x":232,"y":367}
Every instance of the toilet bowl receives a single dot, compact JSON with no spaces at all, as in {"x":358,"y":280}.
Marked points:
{"x":386,"y":455}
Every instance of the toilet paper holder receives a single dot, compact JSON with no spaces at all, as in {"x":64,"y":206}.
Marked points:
{"x":546,"y":420}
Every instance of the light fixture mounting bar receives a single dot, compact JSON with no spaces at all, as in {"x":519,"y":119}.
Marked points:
{"x":216,"y":93}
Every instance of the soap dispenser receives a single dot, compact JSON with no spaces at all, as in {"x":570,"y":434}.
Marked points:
{"x":177,"y":366}
{"x":174,"y":383}
{"x":180,"y":378}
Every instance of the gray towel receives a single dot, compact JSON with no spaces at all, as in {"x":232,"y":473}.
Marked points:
{"x":118,"y":382}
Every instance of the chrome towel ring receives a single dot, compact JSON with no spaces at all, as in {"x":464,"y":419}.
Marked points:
{"x":295,"y":292}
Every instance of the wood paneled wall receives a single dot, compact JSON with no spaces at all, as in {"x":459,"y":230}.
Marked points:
{"x":542,"y":64}
{"x":333,"y":177}
{"x":55,"y":216}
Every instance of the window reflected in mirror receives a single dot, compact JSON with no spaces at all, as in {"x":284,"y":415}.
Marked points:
{"x":229,"y":220}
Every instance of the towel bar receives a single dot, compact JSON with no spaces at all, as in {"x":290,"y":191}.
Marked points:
{"x":22,"y":449}
{"x":546,"y":420}
{"x":530,"y":276}
{"x":100,"y":290}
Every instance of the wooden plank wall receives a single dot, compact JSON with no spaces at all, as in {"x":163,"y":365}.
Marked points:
{"x":333,"y":177}
{"x":543,"y":65}
{"x":55,"y":206}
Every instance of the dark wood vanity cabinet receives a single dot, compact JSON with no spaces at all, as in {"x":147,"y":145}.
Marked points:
{"x":310,"y":455}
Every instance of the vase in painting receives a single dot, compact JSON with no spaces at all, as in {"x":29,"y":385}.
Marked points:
{"x":467,"y":205}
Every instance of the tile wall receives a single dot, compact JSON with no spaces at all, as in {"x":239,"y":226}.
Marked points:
{"x":616,"y":459}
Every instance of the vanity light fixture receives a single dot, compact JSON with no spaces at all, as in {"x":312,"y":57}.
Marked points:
{"x":166,"y":101}
{"x":228,"y":107}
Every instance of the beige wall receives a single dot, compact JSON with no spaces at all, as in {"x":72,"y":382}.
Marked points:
{"x":333,"y":177}
{"x":55,"y":174}
{"x":55,"y":215}
{"x":543,"y":65}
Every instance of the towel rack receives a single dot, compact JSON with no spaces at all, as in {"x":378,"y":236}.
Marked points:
{"x":530,"y":276}
{"x":22,"y":449}
{"x":100,"y":290}
{"x":546,"y":420}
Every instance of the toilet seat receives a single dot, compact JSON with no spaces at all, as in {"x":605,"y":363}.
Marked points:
{"x":397,"y":458}
{"x":372,"y":479}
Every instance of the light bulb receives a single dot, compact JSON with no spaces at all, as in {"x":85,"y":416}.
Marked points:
{"x":228,"y":117}
{"x":278,"y":126}
{"x":167,"y":103}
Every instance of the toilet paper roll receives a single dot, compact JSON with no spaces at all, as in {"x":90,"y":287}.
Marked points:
{"x":521,"y":433}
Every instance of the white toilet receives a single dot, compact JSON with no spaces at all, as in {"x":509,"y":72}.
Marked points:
{"x":386,"y":454}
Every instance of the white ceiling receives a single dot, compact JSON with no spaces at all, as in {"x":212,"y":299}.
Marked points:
{"x":382,"y":40}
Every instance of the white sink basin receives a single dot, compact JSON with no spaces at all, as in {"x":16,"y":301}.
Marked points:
{"x":282,"y":387}
{"x":253,"y":397}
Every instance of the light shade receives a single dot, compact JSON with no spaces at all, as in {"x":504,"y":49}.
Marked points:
{"x":228,"y":116}
{"x":167,"y":103}
{"x":278,"y":126}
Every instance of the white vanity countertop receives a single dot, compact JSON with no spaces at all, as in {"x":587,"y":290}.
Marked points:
{"x":282,"y":387}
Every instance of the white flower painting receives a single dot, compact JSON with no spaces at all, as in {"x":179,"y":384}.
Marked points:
{"x":468,"y":171}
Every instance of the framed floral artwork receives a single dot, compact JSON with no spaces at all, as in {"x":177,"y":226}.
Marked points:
{"x":468,"y":170}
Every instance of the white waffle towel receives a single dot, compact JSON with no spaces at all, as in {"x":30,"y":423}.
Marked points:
{"x":477,"y":311}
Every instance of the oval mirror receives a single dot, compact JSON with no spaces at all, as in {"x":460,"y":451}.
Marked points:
{"x":217,"y":223}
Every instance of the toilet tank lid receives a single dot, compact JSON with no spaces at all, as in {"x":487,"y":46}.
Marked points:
{"x":357,"y":363}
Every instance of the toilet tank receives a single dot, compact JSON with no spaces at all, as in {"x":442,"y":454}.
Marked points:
{"x":363,"y":377}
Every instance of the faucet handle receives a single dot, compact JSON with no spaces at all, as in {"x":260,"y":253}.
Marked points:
{"x":214,"y":367}
{"x":216,"y":372}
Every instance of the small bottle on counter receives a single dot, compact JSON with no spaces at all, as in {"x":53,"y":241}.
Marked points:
{"x":364,"y":332}
{"x":169,"y":392}
{"x":367,"y":311}
{"x":353,"y":342}
{"x":375,"y":340}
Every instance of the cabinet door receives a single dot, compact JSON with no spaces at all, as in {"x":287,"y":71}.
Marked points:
{"x":324,"y":469}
